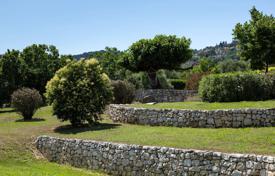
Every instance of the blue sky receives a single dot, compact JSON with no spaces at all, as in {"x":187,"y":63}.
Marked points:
{"x":77,"y":26}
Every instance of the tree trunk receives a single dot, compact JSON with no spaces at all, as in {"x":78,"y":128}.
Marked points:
{"x":153,"y":80}
{"x":266,"y":67}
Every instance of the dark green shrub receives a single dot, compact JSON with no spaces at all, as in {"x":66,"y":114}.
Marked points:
{"x":177,"y":83}
{"x":26,"y":101}
{"x":79,"y":92}
{"x":240,"y":86}
{"x":123,"y":91}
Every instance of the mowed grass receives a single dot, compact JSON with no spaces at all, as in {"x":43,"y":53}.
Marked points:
{"x":198,"y":105}
{"x":18,"y":156}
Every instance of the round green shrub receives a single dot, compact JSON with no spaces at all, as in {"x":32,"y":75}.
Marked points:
{"x":26,"y":101}
{"x":123,"y":91}
{"x":239,"y":86}
{"x":79,"y":92}
{"x":178,"y":84}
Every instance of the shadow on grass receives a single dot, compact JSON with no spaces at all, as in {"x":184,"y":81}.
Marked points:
{"x":69,"y":129}
{"x":7,"y":111}
{"x":32,"y":120}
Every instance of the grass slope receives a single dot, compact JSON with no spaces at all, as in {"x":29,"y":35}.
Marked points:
{"x":210,"y":106}
{"x":16,"y":156}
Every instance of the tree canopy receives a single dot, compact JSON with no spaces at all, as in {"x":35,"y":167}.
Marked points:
{"x":32,"y":67}
{"x":161,"y":52}
{"x":256,"y":39}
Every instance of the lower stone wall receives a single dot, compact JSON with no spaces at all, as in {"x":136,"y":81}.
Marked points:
{"x":233,"y":118}
{"x":164,"y":95}
{"x":122,"y":159}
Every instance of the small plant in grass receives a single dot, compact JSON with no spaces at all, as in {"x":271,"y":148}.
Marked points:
{"x":79,"y":92}
{"x":124,"y":92}
{"x":26,"y":101}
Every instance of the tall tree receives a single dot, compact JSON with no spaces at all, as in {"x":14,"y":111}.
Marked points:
{"x":10,"y":74}
{"x":256,"y":39}
{"x":161,"y":52}
{"x":109,"y":60}
{"x":40,"y":63}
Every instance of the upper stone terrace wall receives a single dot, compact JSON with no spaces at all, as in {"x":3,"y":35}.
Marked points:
{"x":136,"y":160}
{"x":164,"y":95}
{"x":232,"y":118}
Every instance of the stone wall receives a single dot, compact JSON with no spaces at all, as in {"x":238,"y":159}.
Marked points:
{"x":164,"y":95}
{"x":233,"y":118}
{"x":122,"y":159}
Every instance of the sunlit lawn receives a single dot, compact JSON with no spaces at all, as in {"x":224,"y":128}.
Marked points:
{"x":16,"y":151}
{"x":198,"y":105}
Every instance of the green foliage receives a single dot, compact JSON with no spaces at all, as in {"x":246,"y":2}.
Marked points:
{"x":110,"y":59}
{"x":79,"y":92}
{"x":161,"y":52}
{"x":178,"y":83}
{"x":230,"y":65}
{"x":163,"y":81}
{"x":139,"y":80}
{"x":123,"y":91}
{"x":205,"y":65}
{"x":239,"y":86}
{"x":40,"y":64}
{"x":32,"y":67}
{"x":10,"y":74}
{"x":26,"y":101}
{"x":256,"y":39}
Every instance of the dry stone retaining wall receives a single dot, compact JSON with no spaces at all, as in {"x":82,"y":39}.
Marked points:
{"x":232,"y":118}
{"x":164,"y":95}
{"x":136,"y":160}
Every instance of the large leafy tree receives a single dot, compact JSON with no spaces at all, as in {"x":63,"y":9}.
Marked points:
{"x":40,"y":63}
{"x":256,"y":39}
{"x":32,"y":67}
{"x":161,"y":52}
{"x":10,"y":74}
{"x":109,"y":60}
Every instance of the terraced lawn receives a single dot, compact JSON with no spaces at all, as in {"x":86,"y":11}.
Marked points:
{"x":198,"y":105}
{"x":17,"y":154}
{"x":18,"y":157}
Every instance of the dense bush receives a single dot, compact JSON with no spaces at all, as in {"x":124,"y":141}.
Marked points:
{"x":79,"y":92}
{"x":123,"y":91}
{"x":177,"y":83}
{"x":230,"y":65}
{"x":26,"y":101}
{"x":139,"y":80}
{"x":194,"y":79}
{"x":163,"y":81}
{"x":240,"y":86}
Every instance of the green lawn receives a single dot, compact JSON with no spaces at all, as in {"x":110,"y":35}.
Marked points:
{"x":16,"y":151}
{"x":197,"y":105}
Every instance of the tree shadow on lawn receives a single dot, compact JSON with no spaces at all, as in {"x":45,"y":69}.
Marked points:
{"x":6,"y":111}
{"x":32,"y":120}
{"x":69,"y":129}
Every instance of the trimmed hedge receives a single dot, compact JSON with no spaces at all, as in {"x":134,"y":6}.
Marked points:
{"x":177,"y":84}
{"x":239,"y":86}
